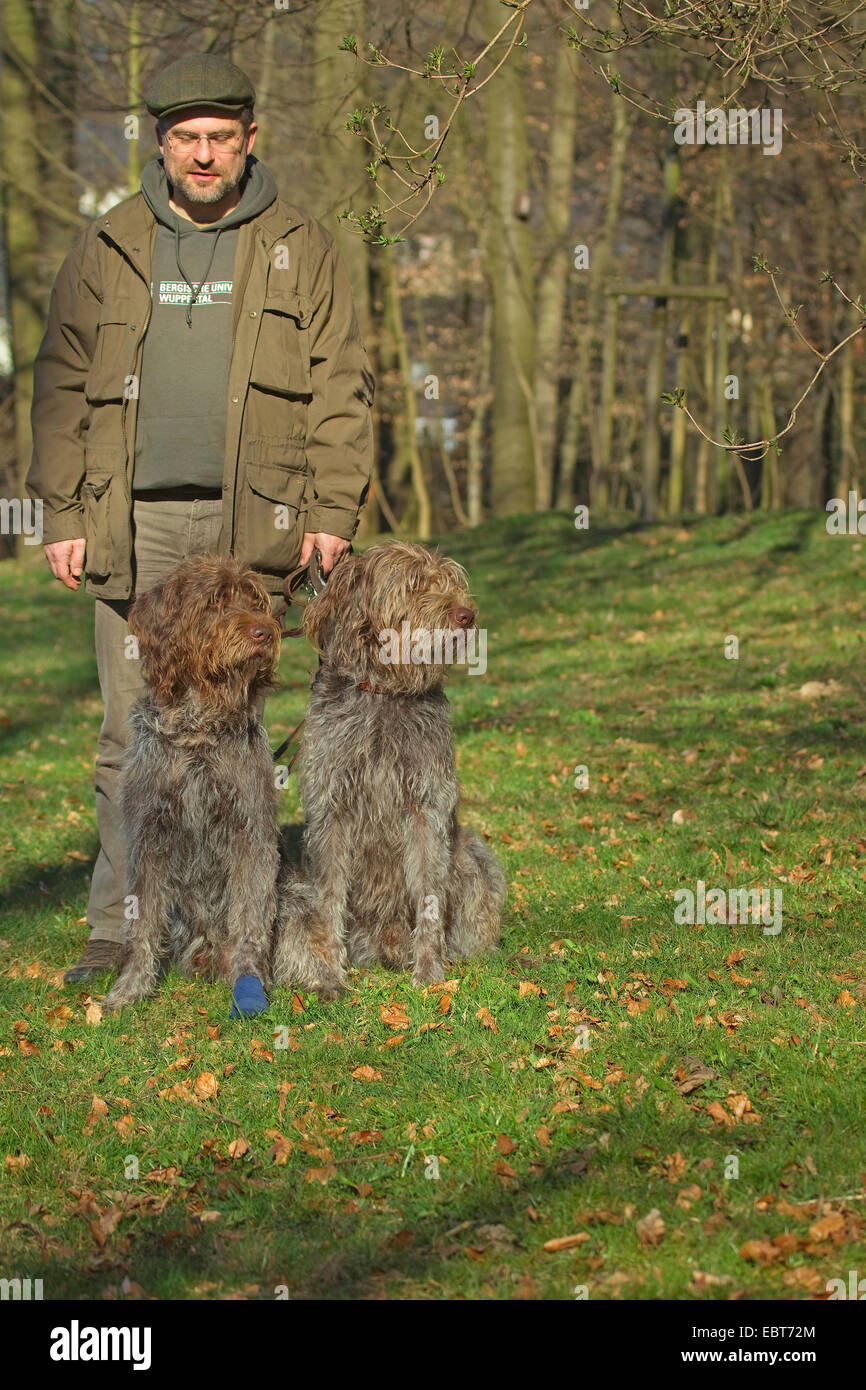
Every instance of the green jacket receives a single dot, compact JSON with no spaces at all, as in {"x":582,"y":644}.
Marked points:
{"x":298,"y":449}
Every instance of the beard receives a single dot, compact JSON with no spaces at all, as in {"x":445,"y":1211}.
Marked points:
{"x":212,"y":192}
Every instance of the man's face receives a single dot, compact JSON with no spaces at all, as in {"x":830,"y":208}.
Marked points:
{"x":205,"y":170}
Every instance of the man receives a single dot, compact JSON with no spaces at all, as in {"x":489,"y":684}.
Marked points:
{"x":202,"y":386}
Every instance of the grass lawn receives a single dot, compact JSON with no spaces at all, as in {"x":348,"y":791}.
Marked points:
{"x":687,"y":1101}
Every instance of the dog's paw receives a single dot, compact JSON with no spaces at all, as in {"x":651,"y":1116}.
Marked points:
{"x":114,"y":1002}
{"x":327,"y":990}
{"x":428,"y":972}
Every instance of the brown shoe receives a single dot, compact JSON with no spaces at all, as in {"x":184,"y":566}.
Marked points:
{"x":99,"y":956}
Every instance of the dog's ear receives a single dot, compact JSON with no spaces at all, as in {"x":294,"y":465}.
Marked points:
{"x":332,"y":599}
{"x":140,"y":618}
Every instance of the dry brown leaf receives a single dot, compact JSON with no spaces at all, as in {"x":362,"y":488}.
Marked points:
{"x":565,"y":1242}
{"x":487,"y":1019}
{"x":205,"y":1085}
{"x":650,"y":1228}
{"x":804,"y":1278}
{"x":281,"y":1149}
{"x":366,"y":1073}
{"x":59,"y":1016}
{"x":688,"y":1196}
{"x":394,"y":1015}
{"x":760,"y":1252}
{"x":827,"y":1226}
{"x":701,"y":1280}
{"x":587,"y":1080}
{"x":98,"y":1111}
{"x":675,"y":1166}
{"x":106,"y":1225}
{"x":322,"y":1175}
{"x":18,"y":1161}
{"x":719,"y":1114}
{"x":238,"y":1147}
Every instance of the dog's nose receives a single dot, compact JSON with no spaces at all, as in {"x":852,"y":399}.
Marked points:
{"x":260,"y":633}
{"x":464,"y":617}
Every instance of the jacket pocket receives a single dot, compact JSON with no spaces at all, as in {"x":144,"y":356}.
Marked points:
{"x":96,"y":495}
{"x":113,"y":355}
{"x":271,"y":524}
{"x":281,"y":362}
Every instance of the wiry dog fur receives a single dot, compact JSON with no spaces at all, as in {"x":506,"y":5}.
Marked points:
{"x":391,"y":877}
{"x":197,"y":790}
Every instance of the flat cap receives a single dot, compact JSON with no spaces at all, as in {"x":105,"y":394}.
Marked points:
{"x":206,"y":79}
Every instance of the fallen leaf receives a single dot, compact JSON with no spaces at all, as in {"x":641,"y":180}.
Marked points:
{"x":205,"y":1085}
{"x":59,"y":1017}
{"x":827,"y":1226}
{"x":565,"y":1242}
{"x":487,"y":1019}
{"x":760,"y":1252}
{"x":98,"y":1111}
{"x":322,"y":1175}
{"x":394,"y":1015}
{"x":281,"y":1149}
{"x":366,"y":1073}
{"x":650,"y":1228}
{"x":106,"y":1224}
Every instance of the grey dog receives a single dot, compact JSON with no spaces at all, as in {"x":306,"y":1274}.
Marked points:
{"x":390,"y":877}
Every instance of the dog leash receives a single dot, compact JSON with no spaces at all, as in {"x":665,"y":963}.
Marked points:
{"x":310,"y":580}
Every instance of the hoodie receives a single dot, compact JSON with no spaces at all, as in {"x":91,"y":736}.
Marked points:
{"x":181,"y":425}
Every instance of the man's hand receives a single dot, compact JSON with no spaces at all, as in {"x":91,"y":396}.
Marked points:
{"x":66,"y":561}
{"x":329,"y":547}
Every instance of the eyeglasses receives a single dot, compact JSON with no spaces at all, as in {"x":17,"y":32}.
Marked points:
{"x":222,"y":141}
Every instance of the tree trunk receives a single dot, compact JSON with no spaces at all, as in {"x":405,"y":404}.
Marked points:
{"x":21,"y":224}
{"x":406,"y":459}
{"x":552,"y":284}
{"x":587,"y":334}
{"x":510,"y":258}
{"x":338,"y":85}
{"x":651,"y":452}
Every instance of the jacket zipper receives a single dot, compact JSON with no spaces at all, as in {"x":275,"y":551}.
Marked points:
{"x":125,"y":405}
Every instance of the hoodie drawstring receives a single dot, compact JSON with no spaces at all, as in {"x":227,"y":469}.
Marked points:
{"x":194,"y":291}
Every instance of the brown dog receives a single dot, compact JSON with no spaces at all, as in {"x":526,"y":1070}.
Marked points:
{"x":197,"y":790}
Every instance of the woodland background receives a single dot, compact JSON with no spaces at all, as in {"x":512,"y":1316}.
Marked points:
{"x":509,"y":378}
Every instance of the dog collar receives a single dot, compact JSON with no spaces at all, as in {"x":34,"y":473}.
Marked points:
{"x":373,"y":689}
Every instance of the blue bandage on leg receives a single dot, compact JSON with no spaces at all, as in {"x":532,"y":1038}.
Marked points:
{"x":248,"y":996}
